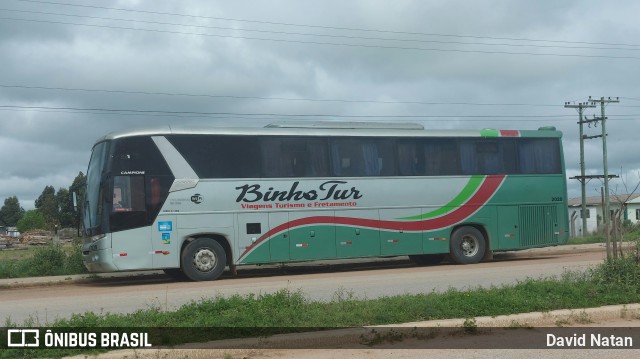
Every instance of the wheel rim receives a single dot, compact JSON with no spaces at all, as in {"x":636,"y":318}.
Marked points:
{"x":204,"y":260}
{"x":469,"y":246}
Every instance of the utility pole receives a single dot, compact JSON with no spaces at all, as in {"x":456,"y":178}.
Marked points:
{"x":603,"y":118}
{"x":583,"y":211}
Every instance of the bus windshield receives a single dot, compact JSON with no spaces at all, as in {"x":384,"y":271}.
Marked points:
{"x":93,"y":206}
{"x":127,"y":183}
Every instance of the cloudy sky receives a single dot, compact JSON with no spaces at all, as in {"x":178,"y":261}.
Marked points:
{"x":72,"y":71}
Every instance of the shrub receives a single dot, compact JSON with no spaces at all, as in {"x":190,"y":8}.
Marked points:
{"x":32,"y":219}
{"x":73,"y":263}
{"x":623,"y":272}
{"x":48,"y":260}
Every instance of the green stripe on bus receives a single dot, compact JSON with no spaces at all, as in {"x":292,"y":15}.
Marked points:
{"x":489,"y":133}
{"x":468,"y":190}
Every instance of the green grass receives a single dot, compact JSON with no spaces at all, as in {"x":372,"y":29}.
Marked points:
{"x":587,"y":239}
{"x":38,"y":261}
{"x":630,"y":236}
{"x":613,"y":282}
{"x":12,"y":254}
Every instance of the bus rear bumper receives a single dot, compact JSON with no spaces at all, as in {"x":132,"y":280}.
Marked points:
{"x":100,"y":260}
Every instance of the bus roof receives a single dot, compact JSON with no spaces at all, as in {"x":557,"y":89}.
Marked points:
{"x":325,"y":128}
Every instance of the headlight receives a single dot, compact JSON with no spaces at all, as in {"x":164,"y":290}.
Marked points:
{"x":98,"y":237}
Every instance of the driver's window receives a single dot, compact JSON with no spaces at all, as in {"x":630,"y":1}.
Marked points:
{"x":128,"y":194}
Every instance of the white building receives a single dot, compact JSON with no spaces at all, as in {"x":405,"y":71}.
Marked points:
{"x":9,"y":231}
{"x":629,"y":204}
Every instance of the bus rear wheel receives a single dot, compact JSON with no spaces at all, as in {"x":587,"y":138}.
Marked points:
{"x":203,"y":259}
{"x":467,"y":245}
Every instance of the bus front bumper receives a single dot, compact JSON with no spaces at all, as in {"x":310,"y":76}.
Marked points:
{"x":100,"y":260}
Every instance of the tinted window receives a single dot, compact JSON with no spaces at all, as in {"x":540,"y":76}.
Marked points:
{"x":93,"y":207}
{"x":294,"y":157}
{"x":487,"y":156}
{"x":298,"y":157}
{"x":362,"y":157}
{"x":139,"y":183}
{"x":539,"y":155}
{"x":137,"y":154}
{"x":478,"y":156}
{"x":220,"y":156}
{"x":428,"y":157}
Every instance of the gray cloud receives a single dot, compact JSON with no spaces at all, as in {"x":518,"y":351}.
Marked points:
{"x":40,"y":147}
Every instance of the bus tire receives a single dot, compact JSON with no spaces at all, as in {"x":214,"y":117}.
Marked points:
{"x":203,"y":259}
{"x":468,"y":245}
{"x":426,"y":259}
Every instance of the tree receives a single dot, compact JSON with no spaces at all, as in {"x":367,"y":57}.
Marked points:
{"x":617,"y":230}
{"x":48,"y":206}
{"x":66,"y":215}
{"x":78,"y":187}
{"x":32,"y":219}
{"x":11,"y":212}
{"x":57,"y":207}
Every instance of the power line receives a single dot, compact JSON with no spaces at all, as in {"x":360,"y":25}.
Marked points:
{"x":270,"y":98}
{"x":197,"y":113}
{"x":630,"y":98}
{"x":321,"y":35}
{"x":324,"y":43}
{"x":324,"y":26}
{"x":429,"y":103}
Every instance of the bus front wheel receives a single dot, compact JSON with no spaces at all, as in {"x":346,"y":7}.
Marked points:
{"x":203,"y":259}
{"x":467,"y":245}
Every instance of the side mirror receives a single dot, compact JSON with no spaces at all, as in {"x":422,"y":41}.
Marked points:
{"x":74,"y":201}
{"x":76,"y":209}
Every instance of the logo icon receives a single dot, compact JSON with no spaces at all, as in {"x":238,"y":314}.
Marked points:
{"x":165,"y":226}
{"x":21,"y":338}
{"x":197,"y":198}
{"x":166,"y":238}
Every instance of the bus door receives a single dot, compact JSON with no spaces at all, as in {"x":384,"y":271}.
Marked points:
{"x":131,"y":249}
{"x":400,"y":241}
{"x":131,"y":237}
{"x":508,"y":227}
{"x":315,"y":240}
{"x":251,"y":226}
{"x":353,"y":241}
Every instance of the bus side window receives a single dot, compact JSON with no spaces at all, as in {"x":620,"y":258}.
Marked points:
{"x":128,"y":194}
{"x":489,"y":157}
{"x":274,"y":164}
{"x":363,"y":157}
{"x":318,"y":159}
{"x":117,"y":198}
{"x":539,"y":156}
{"x":410,"y":160}
{"x":293,"y":157}
{"x":440,"y":157}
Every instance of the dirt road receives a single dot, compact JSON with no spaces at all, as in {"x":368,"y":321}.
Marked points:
{"x":46,"y":303}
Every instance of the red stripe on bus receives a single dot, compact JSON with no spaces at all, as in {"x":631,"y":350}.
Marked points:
{"x":479,"y":199}
{"x":509,"y":133}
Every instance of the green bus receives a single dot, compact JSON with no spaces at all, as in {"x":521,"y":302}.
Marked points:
{"x":195,"y":201}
